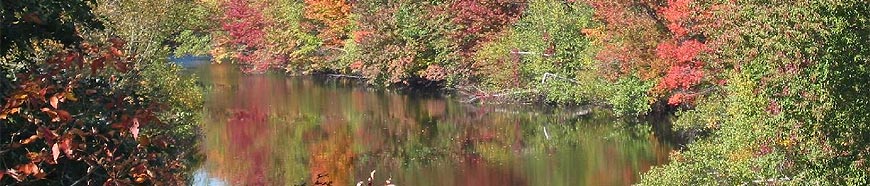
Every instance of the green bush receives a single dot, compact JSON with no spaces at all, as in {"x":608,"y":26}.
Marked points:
{"x":544,"y":50}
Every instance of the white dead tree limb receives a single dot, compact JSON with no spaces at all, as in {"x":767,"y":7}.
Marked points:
{"x":770,"y":181}
{"x":345,"y":76}
{"x":478,"y":94}
{"x":547,"y":75}
{"x":529,"y":53}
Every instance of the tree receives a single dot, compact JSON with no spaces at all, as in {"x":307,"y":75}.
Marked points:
{"x":244,"y":22}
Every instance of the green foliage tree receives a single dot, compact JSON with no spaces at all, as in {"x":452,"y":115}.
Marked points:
{"x":792,"y":112}
{"x":545,"y":50}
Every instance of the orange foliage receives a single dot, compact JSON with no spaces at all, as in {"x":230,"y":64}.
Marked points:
{"x":331,"y":17}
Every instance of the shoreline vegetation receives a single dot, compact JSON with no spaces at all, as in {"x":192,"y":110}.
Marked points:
{"x":776,"y":91}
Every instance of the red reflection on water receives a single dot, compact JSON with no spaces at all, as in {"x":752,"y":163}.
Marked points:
{"x":248,"y":132}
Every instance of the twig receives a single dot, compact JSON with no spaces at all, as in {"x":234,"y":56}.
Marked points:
{"x":476,"y":97}
{"x":346,"y":76}
{"x":529,"y":53}
{"x":771,"y":180}
{"x":545,"y":133}
{"x":90,"y":171}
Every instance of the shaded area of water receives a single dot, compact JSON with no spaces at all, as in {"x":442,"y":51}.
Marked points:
{"x":270,"y":129}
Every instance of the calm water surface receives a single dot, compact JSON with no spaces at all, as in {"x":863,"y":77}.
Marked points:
{"x":271,"y":129}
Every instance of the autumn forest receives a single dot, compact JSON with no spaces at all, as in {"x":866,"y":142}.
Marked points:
{"x":434,"y":92}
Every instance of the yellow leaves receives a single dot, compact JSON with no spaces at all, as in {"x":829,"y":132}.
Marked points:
{"x":5,"y":113}
{"x":70,"y":96}
{"x":739,"y":155}
{"x":14,"y":105}
{"x":29,"y":140}
{"x":677,"y":156}
{"x":786,"y":142}
{"x":592,"y":32}
{"x":20,"y":95}
{"x":712,"y":123}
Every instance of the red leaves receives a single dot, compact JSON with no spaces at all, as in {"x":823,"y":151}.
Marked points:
{"x":140,"y":173}
{"x":681,"y":54}
{"x":53,"y":100}
{"x":681,"y":98}
{"x":37,"y":110}
{"x":481,"y":20}
{"x":675,"y":13}
{"x":57,"y":115}
{"x":117,"y":42}
{"x":634,"y":46}
{"x":131,"y":124}
{"x":134,"y":128}
{"x":97,"y":64}
{"x":774,"y":108}
{"x":687,"y":51}
{"x":47,"y":134}
{"x":434,"y":73}
{"x":244,"y":22}
{"x":55,"y":151}
{"x":360,"y":35}
{"x":28,"y":169}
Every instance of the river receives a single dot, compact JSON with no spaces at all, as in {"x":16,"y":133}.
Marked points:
{"x":272,"y":129}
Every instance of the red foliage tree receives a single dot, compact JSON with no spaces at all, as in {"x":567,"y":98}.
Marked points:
{"x":655,"y":43}
{"x":481,"y":20}
{"x":680,"y":52}
{"x":629,"y":39}
{"x":245,"y":24}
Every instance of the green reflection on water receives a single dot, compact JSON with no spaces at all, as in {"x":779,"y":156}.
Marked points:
{"x":275,"y":130}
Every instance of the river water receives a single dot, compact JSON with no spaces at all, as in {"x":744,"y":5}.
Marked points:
{"x":271,"y":129}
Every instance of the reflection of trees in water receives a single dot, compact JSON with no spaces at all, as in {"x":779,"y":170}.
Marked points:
{"x":287,"y":131}
{"x":331,"y":154}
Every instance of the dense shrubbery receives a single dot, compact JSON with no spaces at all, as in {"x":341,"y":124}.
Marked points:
{"x":545,"y":49}
{"x":792,"y":110}
{"x":87,"y":105}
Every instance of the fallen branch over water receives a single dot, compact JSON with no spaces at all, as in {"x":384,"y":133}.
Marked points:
{"x":346,"y":76}
{"x":478,"y":94}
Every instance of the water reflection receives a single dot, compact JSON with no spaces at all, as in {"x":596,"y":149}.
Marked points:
{"x":273,"y":130}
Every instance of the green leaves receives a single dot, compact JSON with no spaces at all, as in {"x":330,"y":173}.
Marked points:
{"x":44,"y":19}
{"x":628,"y":96}
{"x":790,"y":112}
{"x":192,"y":43}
